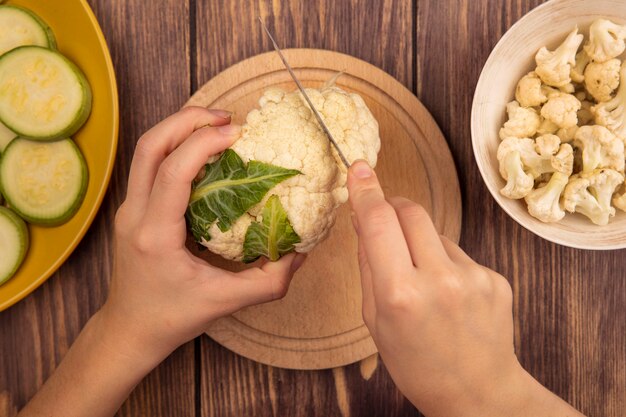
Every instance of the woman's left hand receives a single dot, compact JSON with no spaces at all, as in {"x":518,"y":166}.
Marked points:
{"x":161,"y":295}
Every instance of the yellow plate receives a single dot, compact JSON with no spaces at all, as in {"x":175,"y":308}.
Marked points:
{"x":80,"y":39}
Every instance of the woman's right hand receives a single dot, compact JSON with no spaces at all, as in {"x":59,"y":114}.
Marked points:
{"x":443,"y":324}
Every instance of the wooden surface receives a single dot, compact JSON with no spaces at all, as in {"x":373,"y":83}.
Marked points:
{"x":570,"y":305}
{"x":318,"y":325}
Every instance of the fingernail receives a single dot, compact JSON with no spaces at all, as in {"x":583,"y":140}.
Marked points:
{"x":361,"y":169}
{"x":355,"y":221}
{"x":297,"y":262}
{"x":224,"y":114}
{"x":230,"y":130}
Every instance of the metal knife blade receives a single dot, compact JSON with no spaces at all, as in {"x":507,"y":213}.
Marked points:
{"x":306,"y":97}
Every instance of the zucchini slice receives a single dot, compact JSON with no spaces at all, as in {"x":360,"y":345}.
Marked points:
{"x":43,"y":95}
{"x":43,"y":182}
{"x":19,"y":27}
{"x":6,"y":136}
{"x":13,"y":243}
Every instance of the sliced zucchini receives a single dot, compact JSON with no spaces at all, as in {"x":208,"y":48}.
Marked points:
{"x":13,"y":243}
{"x":20,"y":26}
{"x":43,"y":96}
{"x":43,"y":182}
{"x":6,"y":136}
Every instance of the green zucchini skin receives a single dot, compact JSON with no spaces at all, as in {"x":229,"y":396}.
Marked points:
{"x":81,"y":115}
{"x":6,"y":136}
{"x":52,"y":41}
{"x":22,"y":230}
{"x":52,"y":220}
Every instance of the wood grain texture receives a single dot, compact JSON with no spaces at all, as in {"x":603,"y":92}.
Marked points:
{"x":569,"y":304}
{"x":153,"y":82}
{"x":263,"y":391}
{"x":37,"y":332}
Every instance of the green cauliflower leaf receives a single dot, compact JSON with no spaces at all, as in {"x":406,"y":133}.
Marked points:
{"x":228,"y":189}
{"x":273,"y":237}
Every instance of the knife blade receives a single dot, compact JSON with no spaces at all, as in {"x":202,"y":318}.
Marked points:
{"x":306,"y":97}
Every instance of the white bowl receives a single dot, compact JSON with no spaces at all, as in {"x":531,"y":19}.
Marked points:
{"x":513,"y":57}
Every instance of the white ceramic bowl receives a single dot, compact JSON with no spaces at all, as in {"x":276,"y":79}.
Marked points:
{"x":513,"y":57}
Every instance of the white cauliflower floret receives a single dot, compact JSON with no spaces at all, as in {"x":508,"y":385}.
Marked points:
{"x":554,"y":67}
{"x":553,"y":157}
{"x":524,"y":160}
{"x":568,"y":89}
{"x":547,"y":127}
{"x":547,"y":144}
{"x":563,"y":160}
{"x":561,"y":109}
{"x":612,"y":113}
{"x":606,"y":40}
{"x":228,"y":244}
{"x":550,"y":91}
{"x":522,"y":123}
{"x":285,"y":133}
{"x":518,"y":182}
{"x":600,"y":148}
{"x":602,"y":78}
{"x":543,"y":203}
{"x":568,"y":134}
{"x":590,"y":194}
{"x":528,"y":92}
{"x":577,"y":74}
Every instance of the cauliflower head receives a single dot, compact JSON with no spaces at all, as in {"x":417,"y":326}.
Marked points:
{"x":522,"y":123}
{"x":554,"y":67}
{"x":284,"y":133}
{"x":600,"y":148}
{"x":612,"y":113}
{"x":606,"y":40}
{"x":602,"y":78}
{"x":590,"y":194}
{"x":543,"y":203}
{"x":528,"y":92}
{"x":562,"y":110}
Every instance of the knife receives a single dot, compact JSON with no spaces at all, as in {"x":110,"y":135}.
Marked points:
{"x":306,"y":97}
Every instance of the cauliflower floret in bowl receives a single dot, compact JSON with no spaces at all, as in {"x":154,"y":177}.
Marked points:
{"x":587,"y":118}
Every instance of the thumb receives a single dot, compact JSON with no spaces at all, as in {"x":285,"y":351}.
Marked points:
{"x":363,"y":187}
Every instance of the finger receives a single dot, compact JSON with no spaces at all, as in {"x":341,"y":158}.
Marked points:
{"x":379,"y":230}
{"x":267,"y":282}
{"x":154,"y":146}
{"x":420,"y":233}
{"x":456,"y":254}
{"x":170,"y":195}
{"x":369,"y":303}
{"x":368,"y":306}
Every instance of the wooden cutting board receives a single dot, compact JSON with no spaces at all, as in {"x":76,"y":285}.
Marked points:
{"x":318,"y":324}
